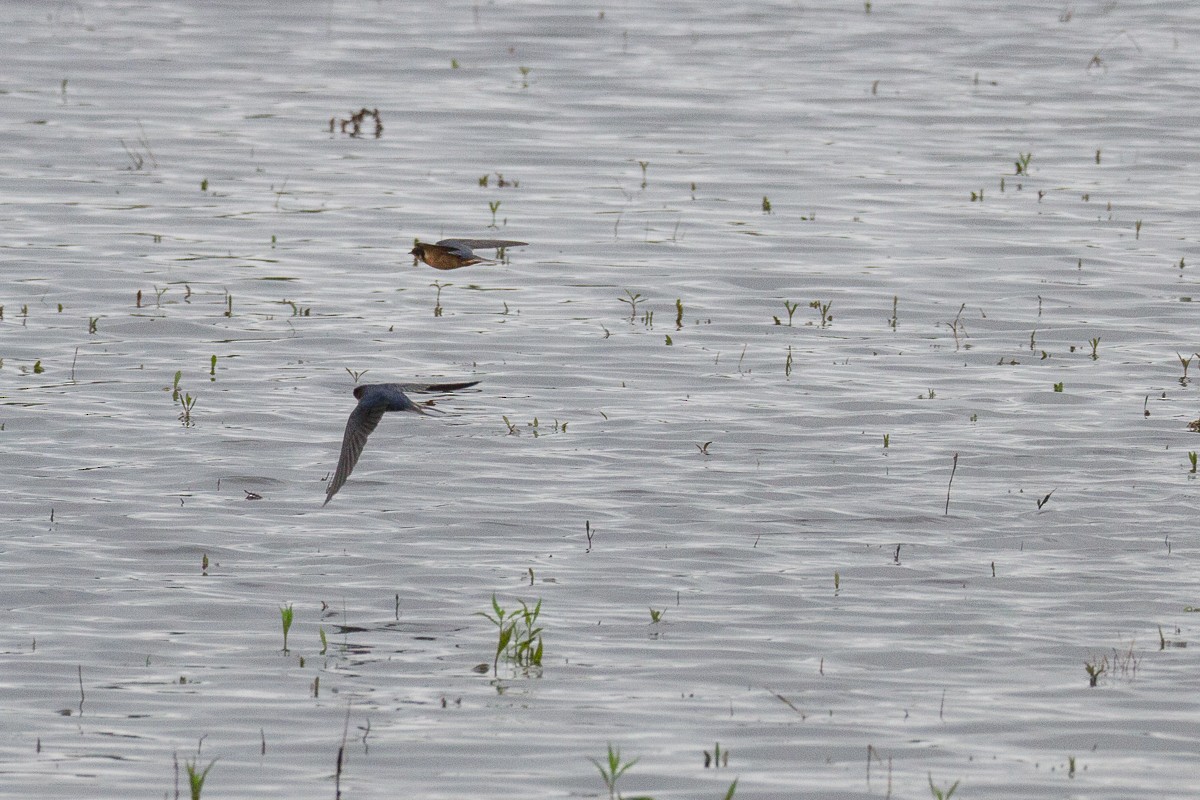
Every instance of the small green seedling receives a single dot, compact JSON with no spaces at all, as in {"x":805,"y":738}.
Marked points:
{"x":766,"y":205}
{"x":678,"y":314}
{"x":285,"y":615}
{"x":92,"y":323}
{"x":525,"y":76}
{"x":1058,"y":387}
{"x":437,"y":300}
{"x":887,"y":439}
{"x":669,"y":342}
{"x":297,"y":309}
{"x":612,"y":769}
{"x":823,"y":309}
{"x":837,"y":582}
{"x":1095,"y":343}
{"x":977,"y":197}
{"x":185,"y":416}
{"x":1192,"y":458}
{"x":941,"y":794}
{"x":197,"y":776}
{"x":324,"y":641}
{"x":513,"y":430}
{"x":204,"y":185}
{"x":212,"y":369}
{"x":1185,"y":362}
{"x":791,"y":309}
{"x":632,"y":299}
{"x":1095,"y":669}
{"x":656,"y":616}
{"x":718,"y":758}
{"x":1022,"y":162}
{"x":1070,"y":766}
{"x":38,"y":369}
{"x":494,"y":205}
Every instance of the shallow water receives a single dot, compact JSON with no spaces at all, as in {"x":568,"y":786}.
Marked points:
{"x":829,"y":620}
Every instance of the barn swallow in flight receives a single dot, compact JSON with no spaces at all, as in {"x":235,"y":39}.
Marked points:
{"x":374,"y":400}
{"x":455,"y":253}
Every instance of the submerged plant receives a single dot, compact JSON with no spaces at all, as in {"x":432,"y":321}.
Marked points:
{"x":823,"y":309}
{"x":518,"y":636}
{"x":612,"y":769}
{"x":942,"y":794}
{"x":437,"y":300}
{"x":718,"y":758}
{"x":196,"y":776}
{"x":185,"y":416}
{"x":1095,"y":668}
{"x":791,"y":309}
{"x":632,"y":299}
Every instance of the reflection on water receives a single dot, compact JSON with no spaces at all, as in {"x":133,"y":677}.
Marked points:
{"x":791,"y":268}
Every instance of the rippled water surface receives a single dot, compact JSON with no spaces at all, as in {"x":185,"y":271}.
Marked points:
{"x":894,"y":465}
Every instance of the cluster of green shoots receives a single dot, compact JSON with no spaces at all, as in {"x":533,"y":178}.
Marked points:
{"x":534,"y":427}
{"x":186,"y":401}
{"x":612,"y":768}
{"x":822,"y":309}
{"x":518,"y":636}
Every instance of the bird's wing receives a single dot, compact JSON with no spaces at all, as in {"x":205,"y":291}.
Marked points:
{"x":434,"y":387}
{"x":463,"y":247}
{"x":364,"y":419}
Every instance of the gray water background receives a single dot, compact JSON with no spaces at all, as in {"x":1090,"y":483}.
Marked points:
{"x":828,"y":618}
